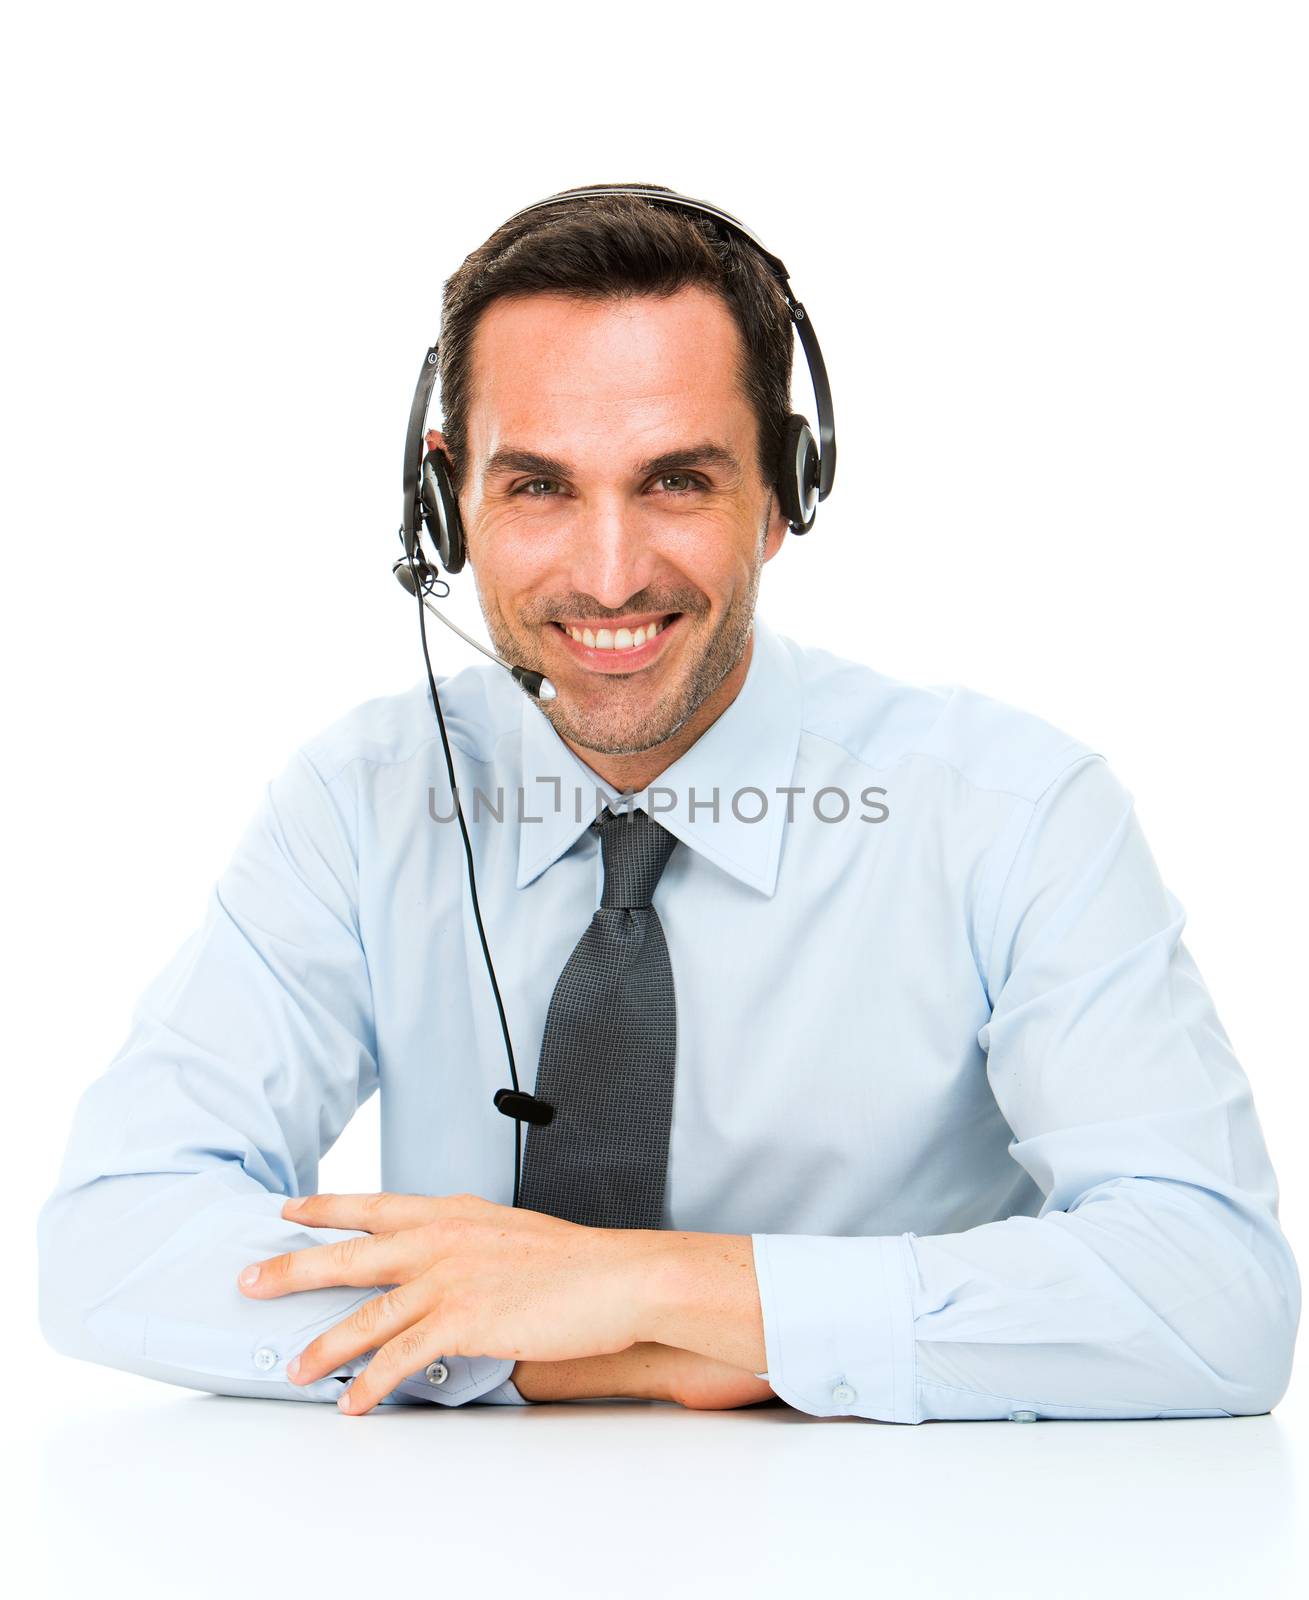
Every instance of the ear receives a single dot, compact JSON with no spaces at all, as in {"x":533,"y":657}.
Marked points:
{"x":778,"y":526}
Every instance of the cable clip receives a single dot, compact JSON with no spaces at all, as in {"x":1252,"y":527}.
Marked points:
{"x":523,"y":1107}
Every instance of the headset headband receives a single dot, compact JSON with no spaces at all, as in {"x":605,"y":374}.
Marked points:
{"x":808,"y":338}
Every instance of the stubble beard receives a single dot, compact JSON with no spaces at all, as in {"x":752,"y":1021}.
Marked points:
{"x":613,"y":729}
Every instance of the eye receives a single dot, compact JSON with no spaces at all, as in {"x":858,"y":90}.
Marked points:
{"x":547,"y":488}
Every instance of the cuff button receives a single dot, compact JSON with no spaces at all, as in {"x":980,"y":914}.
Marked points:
{"x":844,"y":1395}
{"x":438,"y":1372}
{"x":265,"y":1358}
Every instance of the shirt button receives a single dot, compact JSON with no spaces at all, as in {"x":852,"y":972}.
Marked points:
{"x":843,"y":1394}
{"x":438,"y":1372}
{"x":265,"y":1358}
{"x":1022,"y":1416}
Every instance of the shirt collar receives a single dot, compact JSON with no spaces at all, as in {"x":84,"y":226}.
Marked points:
{"x":753,"y":742}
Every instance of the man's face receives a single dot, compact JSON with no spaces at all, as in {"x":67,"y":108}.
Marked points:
{"x":612,"y":481}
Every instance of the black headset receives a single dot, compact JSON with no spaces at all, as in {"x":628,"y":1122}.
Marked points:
{"x":805,"y":466}
{"x":805,"y":469}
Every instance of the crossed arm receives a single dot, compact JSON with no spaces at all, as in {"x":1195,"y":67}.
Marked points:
{"x":583,"y":1311}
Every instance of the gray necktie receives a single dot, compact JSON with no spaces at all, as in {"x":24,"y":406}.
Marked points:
{"x":609,"y":1049}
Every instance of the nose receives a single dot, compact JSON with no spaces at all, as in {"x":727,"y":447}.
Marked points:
{"x":611,"y":552}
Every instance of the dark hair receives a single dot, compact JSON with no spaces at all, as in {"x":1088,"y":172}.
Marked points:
{"x":615,"y":247}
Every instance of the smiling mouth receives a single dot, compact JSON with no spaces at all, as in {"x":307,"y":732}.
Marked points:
{"x":603,"y":637}
{"x":607,"y":648}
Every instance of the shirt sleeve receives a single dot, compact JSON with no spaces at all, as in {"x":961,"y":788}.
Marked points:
{"x":1155,"y":1280}
{"x":246,"y":1057}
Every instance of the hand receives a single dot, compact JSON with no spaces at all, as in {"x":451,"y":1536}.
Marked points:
{"x":702,"y":1384}
{"x":471,"y":1278}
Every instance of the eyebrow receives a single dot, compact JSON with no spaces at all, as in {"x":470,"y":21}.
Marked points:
{"x":706,"y":454}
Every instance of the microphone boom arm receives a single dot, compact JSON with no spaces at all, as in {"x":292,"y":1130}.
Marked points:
{"x":540,"y":688}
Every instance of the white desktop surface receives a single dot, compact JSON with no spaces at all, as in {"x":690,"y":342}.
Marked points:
{"x":141,"y":1489}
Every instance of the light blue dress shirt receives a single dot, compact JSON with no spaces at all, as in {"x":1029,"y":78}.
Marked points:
{"x":941,"y":1053}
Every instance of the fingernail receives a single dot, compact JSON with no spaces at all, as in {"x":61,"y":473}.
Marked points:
{"x":293,"y":1205}
{"x":249,"y":1276}
{"x":344,"y":1401}
{"x":293,"y":1368}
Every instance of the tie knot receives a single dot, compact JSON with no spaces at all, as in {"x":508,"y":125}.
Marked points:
{"x":636,"y":849}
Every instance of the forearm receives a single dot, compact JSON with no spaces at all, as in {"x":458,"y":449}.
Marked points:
{"x":700,"y":1323}
{"x":640,"y":1372}
{"x":138,"y":1272}
{"x":701,"y":1294}
{"x":645,"y":1371}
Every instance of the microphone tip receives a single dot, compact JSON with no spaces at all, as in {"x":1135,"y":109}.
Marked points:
{"x":534,"y":683}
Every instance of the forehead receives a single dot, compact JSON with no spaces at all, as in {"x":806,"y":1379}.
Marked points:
{"x":540,"y":360}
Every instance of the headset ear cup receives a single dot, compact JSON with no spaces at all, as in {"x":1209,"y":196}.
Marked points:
{"x":441,"y":511}
{"x":797,"y":474}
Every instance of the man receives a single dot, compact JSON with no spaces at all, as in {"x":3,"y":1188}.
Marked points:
{"x":956,"y":1132}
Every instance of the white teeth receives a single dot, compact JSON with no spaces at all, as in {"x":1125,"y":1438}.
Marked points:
{"x":624,"y":639}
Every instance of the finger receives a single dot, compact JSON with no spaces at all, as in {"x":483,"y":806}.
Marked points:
{"x":408,"y":1352}
{"x":367,"y":1327}
{"x":374,"y":1213}
{"x":361,"y":1261}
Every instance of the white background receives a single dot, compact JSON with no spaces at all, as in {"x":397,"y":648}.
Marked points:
{"x":1056,"y":255}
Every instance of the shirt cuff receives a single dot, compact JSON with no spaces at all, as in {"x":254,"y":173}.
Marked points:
{"x":838,"y":1323}
{"x":455,"y":1380}
{"x":446,"y":1380}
